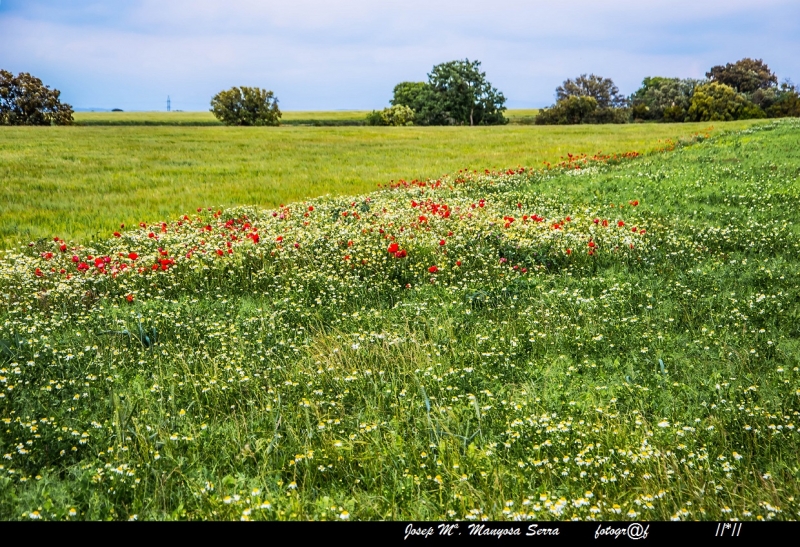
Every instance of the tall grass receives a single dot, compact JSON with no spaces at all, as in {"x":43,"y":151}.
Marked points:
{"x":610,"y":340}
{"x":83,"y":182}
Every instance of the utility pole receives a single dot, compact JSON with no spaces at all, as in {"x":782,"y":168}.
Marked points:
{"x":168,"y":104}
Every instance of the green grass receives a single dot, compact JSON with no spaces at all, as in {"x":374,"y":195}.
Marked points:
{"x":206,"y":118}
{"x":308,"y":117}
{"x":77,"y":182}
{"x":283,"y":364}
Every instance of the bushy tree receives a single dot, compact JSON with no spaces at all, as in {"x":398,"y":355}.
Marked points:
{"x":745,"y":76}
{"x":456,"y":93}
{"x":428,"y":106}
{"x":569,"y":110}
{"x":466,"y":95}
{"x":25,"y":100}
{"x":246,"y":106}
{"x":663,"y":99}
{"x":717,"y":102}
{"x":787,"y":102}
{"x":600,"y":89}
{"x":577,"y":110}
{"x":586,"y":99}
{"x":396,"y":115}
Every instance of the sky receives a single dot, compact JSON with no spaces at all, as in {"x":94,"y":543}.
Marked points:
{"x":349,"y":54}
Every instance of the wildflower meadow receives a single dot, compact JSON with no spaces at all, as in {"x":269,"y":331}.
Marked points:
{"x":610,"y":337}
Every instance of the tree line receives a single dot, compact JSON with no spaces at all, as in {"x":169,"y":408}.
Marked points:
{"x":458,"y":93}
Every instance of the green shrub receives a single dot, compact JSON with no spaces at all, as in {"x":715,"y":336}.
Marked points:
{"x":246,"y":106}
{"x":576,"y":109}
{"x":787,"y":103}
{"x":716,"y":102}
{"x":394,"y":115}
{"x":659,"y":95}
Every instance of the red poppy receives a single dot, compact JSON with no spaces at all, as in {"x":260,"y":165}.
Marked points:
{"x":393,"y":248}
{"x":620,"y":224}
{"x":401,"y":254}
{"x":310,"y":207}
{"x":219,"y":252}
{"x":63,"y":248}
{"x":129,"y":297}
{"x":592,"y":244}
{"x":634,"y":203}
{"x":458,"y":263}
{"x":38,"y":272}
{"x":133,"y":256}
{"x":117,"y":234}
{"x":569,"y":251}
{"x":442,"y":243}
{"x":433,"y":269}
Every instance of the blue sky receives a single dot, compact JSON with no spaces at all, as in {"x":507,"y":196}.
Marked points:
{"x":349,"y":54}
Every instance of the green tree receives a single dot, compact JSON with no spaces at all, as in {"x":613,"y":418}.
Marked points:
{"x":466,"y":95}
{"x":427,"y":104}
{"x":600,"y":89}
{"x":586,"y":99}
{"x":246,"y":106}
{"x":745,"y":76}
{"x":456,"y":93}
{"x":717,"y":102}
{"x":25,"y":100}
{"x":787,"y":102}
{"x":569,"y":110}
{"x":663,"y":99}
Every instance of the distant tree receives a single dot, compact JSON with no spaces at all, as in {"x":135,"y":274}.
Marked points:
{"x":25,"y":100}
{"x":663,"y":99}
{"x":787,"y":102}
{"x":569,"y":110}
{"x":427,"y":104}
{"x":246,"y":106}
{"x":466,"y":95}
{"x":410,"y":94}
{"x":600,"y":89}
{"x":586,"y":99}
{"x":394,"y":115}
{"x":456,"y":93}
{"x":717,"y":102}
{"x":745,"y":76}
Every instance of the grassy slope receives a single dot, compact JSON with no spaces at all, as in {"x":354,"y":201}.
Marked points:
{"x":82,"y":181}
{"x":653,"y":382}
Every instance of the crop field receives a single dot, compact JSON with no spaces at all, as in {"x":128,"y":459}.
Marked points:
{"x":610,"y":338}
{"x":83,"y":182}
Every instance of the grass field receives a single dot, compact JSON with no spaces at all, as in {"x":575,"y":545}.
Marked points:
{"x":612,"y":340}
{"x":78,"y":182}
{"x":206,"y":118}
